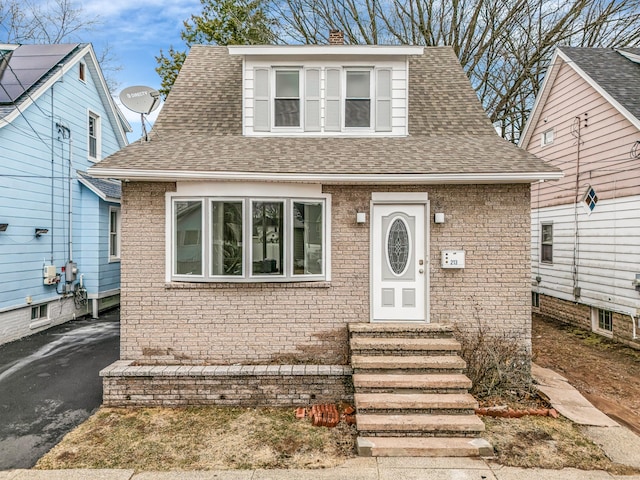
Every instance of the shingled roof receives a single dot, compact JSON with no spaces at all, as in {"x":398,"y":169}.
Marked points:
{"x":611,"y":70}
{"x":199,"y":135}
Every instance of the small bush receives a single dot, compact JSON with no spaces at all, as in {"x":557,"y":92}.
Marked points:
{"x":497,"y":364}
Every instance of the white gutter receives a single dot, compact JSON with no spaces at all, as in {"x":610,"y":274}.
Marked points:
{"x":172,"y":175}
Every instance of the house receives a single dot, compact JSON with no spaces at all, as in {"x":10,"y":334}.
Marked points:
{"x":584,"y":229}
{"x":59,"y":228}
{"x":289,"y":197}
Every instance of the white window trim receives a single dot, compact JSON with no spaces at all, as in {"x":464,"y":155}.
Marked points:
{"x":272,"y":99}
{"x":544,"y":137}
{"x":248,"y":276}
{"x":82,"y":71}
{"x":98,"y":136}
{"x":112,"y":257}
{"x":595,"y":322}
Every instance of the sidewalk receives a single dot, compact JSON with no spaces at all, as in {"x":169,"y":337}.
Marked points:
{"x":407,"y":468}
{"x":619,"y":443}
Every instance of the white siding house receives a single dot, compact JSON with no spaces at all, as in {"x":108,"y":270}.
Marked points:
{"x":585,"y":228}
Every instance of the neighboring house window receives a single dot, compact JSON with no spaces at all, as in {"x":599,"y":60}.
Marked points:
{"x":94,"y":136}
{"x":114,"y":233}
{"x":602,"y":320}
{"x":82,"y":71}
{"x":546,"y":243}
{"x":39,"y":312}
{"x":547,"y":137}
{"x":248,"y":239}
{"x":286,"y":106}
{"x":535,"y":299}
{"x":590,"y":199}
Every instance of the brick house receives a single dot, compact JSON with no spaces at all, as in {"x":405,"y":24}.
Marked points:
{"x":288,"y":192}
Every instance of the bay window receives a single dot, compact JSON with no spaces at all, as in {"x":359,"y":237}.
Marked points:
{"x":248,"y":239}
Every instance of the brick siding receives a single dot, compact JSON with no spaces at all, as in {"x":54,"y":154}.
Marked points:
{"x":247,"y":386}
{"x":305,"y":323}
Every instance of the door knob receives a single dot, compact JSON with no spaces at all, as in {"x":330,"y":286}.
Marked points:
{"x":421,"y":271}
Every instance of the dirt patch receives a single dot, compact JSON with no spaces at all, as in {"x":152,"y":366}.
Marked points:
{"x":543,"y":442}
{"x":605,"y":372}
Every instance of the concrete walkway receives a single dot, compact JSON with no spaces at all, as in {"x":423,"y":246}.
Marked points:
{"x":619,"y":443}
{"x":408,"y":468}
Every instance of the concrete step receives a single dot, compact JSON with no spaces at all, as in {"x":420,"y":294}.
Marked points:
{"x":401,"y":329}
{"x":412,"y":424}
{"x":423,"y":447}
{"x":382,"y":345}
{"x":440,"y":363}
{"x":372,"y":402}
{"x":399,"y":383}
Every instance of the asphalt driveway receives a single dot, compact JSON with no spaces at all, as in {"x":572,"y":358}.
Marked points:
{"x":49,"y":384}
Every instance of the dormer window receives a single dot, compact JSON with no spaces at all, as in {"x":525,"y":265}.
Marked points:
{"x":347,"y":100}
{"x":357,"y":103}
{"x":286,"y":104}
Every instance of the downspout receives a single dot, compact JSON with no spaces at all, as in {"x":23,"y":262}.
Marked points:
{"x":53,"y":126}
{"x":70,"y":197}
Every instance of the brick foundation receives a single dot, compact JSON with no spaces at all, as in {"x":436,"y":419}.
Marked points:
{"x":125,"y":384}
{"x":579,"y":314}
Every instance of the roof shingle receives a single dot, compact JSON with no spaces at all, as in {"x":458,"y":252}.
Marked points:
{"x":200,"y":130}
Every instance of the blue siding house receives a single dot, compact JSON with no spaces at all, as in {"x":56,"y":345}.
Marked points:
{"x":59,"y":228}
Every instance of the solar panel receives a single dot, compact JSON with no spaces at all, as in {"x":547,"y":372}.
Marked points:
{"x":27,"y":65}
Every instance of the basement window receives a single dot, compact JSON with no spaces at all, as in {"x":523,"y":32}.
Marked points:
{"x":39,"y":312}
{"x":602,"y":321}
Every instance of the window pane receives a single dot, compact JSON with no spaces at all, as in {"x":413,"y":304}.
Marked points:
{"x":358,"y":85}
{"x":188,"y":237}
{"x":357,"y":113}
{"x":287,"y":113}
{"x":267,"y":228}
{"x":226,"y":233}
{"x":287,"y":84}
{"x":307,"y":238}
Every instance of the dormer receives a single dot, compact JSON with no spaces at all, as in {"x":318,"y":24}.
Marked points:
{"x":327,"y":90}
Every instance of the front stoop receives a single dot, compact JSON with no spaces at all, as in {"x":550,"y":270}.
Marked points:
{"x":411,"y":394}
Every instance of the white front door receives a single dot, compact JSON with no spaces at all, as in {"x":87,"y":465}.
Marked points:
{"x":399,"y":262}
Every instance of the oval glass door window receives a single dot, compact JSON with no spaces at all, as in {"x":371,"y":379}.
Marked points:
{"x":398,"y":246}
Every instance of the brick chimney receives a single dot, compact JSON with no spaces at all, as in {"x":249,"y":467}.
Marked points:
{"x":336,"y":37}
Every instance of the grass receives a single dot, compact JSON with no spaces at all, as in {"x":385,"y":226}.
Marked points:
{"x":199,"y":438}
{"x":217,"y":438}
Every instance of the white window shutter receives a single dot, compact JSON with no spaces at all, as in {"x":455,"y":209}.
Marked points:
{"x":383,"y":100}
{"x":332,"y":118}
{"x":312,"y":100}
{"x":261,"y":100}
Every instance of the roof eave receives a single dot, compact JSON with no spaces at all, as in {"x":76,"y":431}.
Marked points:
{"x":285,"y":50}
{"x":380,"y":179}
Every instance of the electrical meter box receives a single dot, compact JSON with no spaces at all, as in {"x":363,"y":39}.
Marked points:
{"x":452,"y":259}
{"x":70,"y":272}
{"x":50,"y":275}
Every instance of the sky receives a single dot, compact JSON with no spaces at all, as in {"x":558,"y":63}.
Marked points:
{"x":135,"y":32}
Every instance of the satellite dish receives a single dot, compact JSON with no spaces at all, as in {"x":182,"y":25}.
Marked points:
{"x":140,"y":99}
